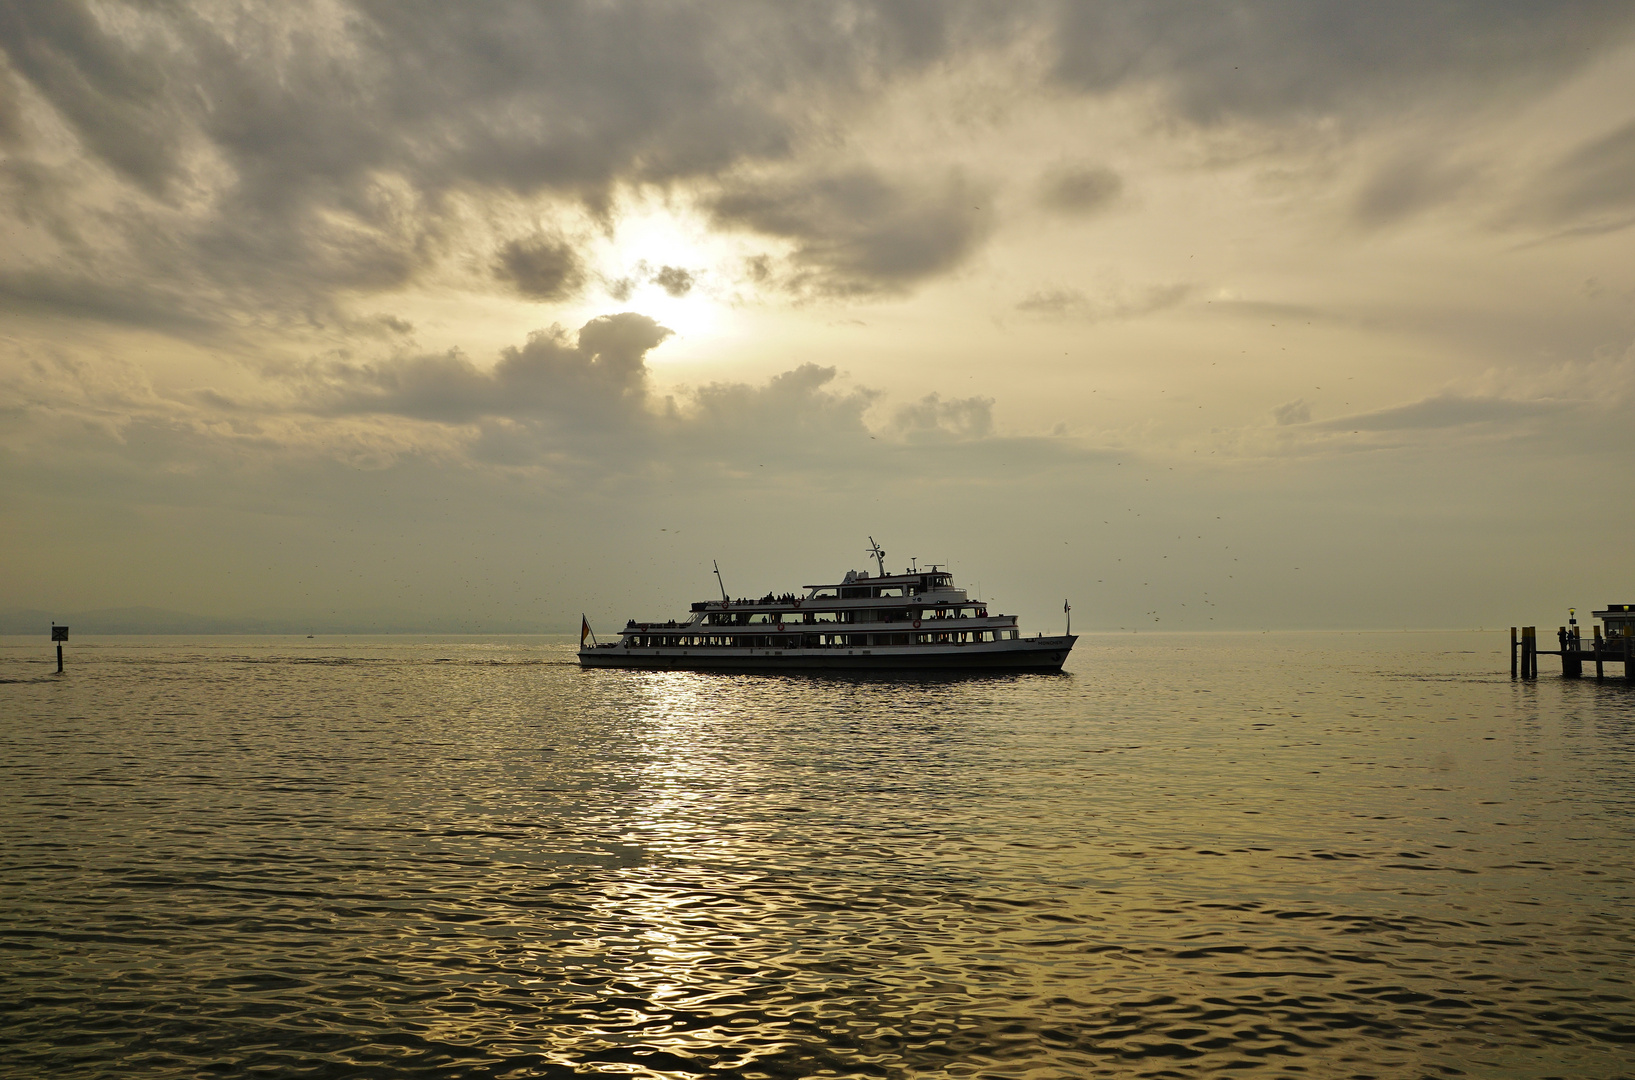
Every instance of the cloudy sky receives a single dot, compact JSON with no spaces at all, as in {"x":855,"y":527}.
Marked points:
{"x":1207,"y":315}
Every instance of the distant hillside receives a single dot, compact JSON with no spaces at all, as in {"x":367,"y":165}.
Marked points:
{"x":150,"y":620}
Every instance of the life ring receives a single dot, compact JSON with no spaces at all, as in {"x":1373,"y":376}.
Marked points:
{"x":797,"y":602}
{"x":916,"y":624}
{"x":780,"y":628}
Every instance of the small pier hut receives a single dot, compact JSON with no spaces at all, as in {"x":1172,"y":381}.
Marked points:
{"x":1613,"y":642}
{"x":1619,"y":620}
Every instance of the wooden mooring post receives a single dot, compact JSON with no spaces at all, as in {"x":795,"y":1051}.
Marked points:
{"x":1529,"y":652}
{"x":1513,"y":650}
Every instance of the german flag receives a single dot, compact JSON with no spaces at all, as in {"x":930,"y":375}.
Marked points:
{"x":584,"y":629}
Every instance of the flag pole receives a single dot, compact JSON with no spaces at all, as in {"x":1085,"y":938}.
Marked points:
{"x":1067,"y":609}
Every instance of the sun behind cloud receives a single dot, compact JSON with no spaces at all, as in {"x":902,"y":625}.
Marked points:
{"x":666,"y":262}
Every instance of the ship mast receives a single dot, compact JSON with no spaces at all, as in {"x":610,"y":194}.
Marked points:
{"x":718,"y":580}
{"x":879,"y":554}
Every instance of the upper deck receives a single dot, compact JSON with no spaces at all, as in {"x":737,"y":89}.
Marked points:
{"x":859,"y":589}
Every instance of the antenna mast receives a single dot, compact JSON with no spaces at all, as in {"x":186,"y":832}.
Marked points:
{"x":718,"y":580}
{"x":879,"y":554}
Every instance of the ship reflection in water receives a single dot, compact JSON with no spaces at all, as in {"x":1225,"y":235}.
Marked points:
{"x":1325,"y":856}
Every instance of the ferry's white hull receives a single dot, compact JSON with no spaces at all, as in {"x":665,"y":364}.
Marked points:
{"x":1016,"y":654}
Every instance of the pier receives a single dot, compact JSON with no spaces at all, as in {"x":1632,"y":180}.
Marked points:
{"x":1613,"y":642}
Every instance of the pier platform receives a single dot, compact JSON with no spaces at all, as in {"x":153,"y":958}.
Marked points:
{"x":1613,"y":642}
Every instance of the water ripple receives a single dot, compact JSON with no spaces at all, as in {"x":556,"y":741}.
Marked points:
{"x":393,"y":858}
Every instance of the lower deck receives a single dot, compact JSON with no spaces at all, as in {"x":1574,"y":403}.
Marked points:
{"x":1021,"y":654}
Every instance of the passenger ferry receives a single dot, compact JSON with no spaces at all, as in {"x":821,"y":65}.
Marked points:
{"x":913,"y":621}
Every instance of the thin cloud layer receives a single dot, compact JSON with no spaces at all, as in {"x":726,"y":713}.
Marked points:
{"x":1081,"y":190}
{"x":1408,"y":186}
{"x":1592,"y":187}
{"x":1117,"y":302}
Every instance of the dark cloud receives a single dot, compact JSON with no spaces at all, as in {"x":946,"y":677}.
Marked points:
{"x":1084,"y":190}
{"x":1220,"y":60}
{"x":302,"y":152}
{"x":115,"y":97}
{"x":1408,"y":186}
{"x":674,"y":280}
{"x":858,"y":232}
{"x":11,"y":113}
{"x":588,"y":379}
{"x":279,"y":160}
{"x":797,"y":414}
{"x":1593,"y":185}
{"x":540,"y":269}
{"x":130,"y":302}
{"x":584,"y":401}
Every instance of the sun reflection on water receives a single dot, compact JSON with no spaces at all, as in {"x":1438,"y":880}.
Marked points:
{"x":403,"y":868}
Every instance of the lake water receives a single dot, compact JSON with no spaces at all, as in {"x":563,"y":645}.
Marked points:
{"x":1366,"y":855}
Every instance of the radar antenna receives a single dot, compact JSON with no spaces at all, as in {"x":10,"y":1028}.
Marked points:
{"x":718,"y":580}
{"x":879,"y":554}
